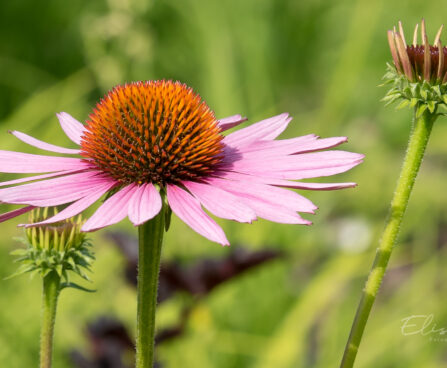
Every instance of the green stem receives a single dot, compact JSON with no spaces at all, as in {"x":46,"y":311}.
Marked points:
{"x":51,"y":289}
{"x":150,"y":237}
{"x":416,"y":148}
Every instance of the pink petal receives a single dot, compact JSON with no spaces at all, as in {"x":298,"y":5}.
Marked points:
{"x":281,"y":148}
{"x":11,"y":214}
{"x":188,"y":209}
{"x":220,"y":203}
{"x":297,"y":167}
{"x":264,"y":130}
{"x":113,"y":210}
{"x":144,"y":204}
{"x":77,"y":207}
{"x":17,"y":162}
{"x":317,"y":186}
{"x":263,"y":147}
{"x":312,"y":173}
{"x":305,"y":161}
{"x":320,"y":144}
{"x":269,"y":144}
{"x":72,"y":128}
{"x":37,"y":177}
{"x":230,"y":122}
{"x":264,"y":207}
{"x":284,"y":183}
{"x":53,"y":192}
{"x":42,"y":145}
{"x":273,"y":212}
{"x":266,"y":193}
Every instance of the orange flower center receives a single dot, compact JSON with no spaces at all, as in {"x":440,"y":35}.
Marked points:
{"x":155,"y":131}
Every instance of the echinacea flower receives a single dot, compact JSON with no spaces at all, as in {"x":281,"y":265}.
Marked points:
{"x":146,"y":142}
{"x":419,"y":73}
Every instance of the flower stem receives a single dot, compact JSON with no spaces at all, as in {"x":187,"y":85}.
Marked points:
{"x":150,"y":236}
{"x":412,"y":162}
{"x":51,"y":289}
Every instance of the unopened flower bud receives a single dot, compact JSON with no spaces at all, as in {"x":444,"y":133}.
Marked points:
{"x":60,"y":247}
{"x":419,"y":73}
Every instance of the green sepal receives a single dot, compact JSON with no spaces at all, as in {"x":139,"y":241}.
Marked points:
{"x":19,"y":252}
{"x":413,"y":102}
{"x":420,"y":110}
{"x":22,"y":270}
{"x":403,"y":104}
{"x":44,"y":261}
{"x":421,"y":95}
{"x":431,"y":106}
{"x":72,"y":285}
{"x":168,"y":215}
{"x":168,"y":211}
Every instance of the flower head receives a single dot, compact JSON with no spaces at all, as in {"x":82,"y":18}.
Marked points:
{"x":57,"y":247}
{"x":153,"y":132}
{"x":419,"y":73}
{"x":155,"y":141}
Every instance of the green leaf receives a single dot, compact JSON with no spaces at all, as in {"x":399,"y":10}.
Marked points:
{"x":72,"y":285}
{"x":421,"y":110}
{"x":391,"y":96}
{"x":414,"y":88}
{"x":71,"y":262}
{"x":403,"y":104}
{"x":392,"y":100}
{"x":413,"y":102}
{"x":59,"y":270}
{"x":46,"y":272}
{"x":168,"y":214}
{"x":21,"y":270}
{"x":388,"y":80}
{"x":19,"y":252}
{"x":431,"y":106}
{"x":407,"y":91}
{"x":65,"y":275}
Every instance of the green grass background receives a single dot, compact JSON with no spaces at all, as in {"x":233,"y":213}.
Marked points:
{"x":321,"y":61}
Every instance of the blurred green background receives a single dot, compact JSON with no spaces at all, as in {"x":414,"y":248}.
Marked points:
{"x":321,"y":61}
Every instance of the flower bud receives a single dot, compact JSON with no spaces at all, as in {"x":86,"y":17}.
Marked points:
{"x":60,"y":247}
{"x":419,"y":73}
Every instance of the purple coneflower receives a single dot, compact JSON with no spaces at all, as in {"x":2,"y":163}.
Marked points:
{"x":150,"y":138}
{"x":152,"y":147}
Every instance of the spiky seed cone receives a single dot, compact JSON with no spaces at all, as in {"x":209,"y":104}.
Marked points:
{"x":155,"y":131}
